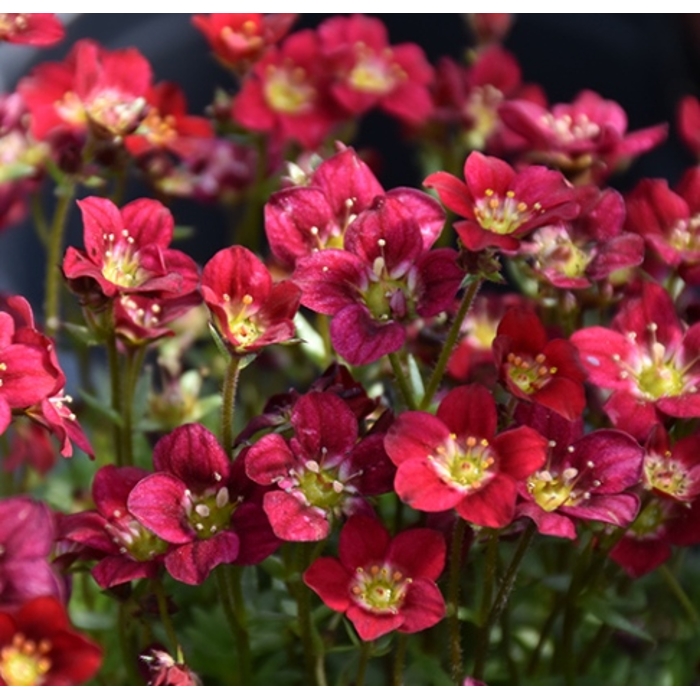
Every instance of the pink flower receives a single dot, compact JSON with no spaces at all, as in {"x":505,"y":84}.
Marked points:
{"x":38,"y":647}
{"x":126,"y":251}
{"x":27,"y":532}
{"x":648,"y":359}
{"x":239,"y":39}
{"x":586,"y":477}
{"x":587,"y":137}
{"x":203,"y":504}
{"x":533,"y":368}
{"x":32,"y":28}
{"x":248,"y":310}
{"x":382,"y":584}
{"x":368,"y":72}
{"x":385,"y":277}
{"x":126,"y":550}
{"x":501,"y":206}
{"x":455,"y":459}
{"x":322,"y":472}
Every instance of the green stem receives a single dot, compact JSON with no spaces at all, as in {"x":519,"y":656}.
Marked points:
{"x":52,"y":289}
{"x":39,"y":219}
{"x":400,"y":659}
{"x":534,"y":662}
{"x":456,"y":670}
{"x":402,"y":381}
{"x":502,"y":596}
{"x":450,"y":342}
{"x":365,"y":654}
{"x":231,"y":596}
{"x":134,"y":362}
{"x":117,"y":388}
{"x":680,"y":594}
{"x":159,"y":591}
{"x":304,"y":558}
{"x":229,"y":403}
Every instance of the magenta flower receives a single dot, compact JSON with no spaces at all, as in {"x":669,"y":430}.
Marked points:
{"x":248,"y":310}
{"x":201,"y":503}
{"x":126,"y":251}
{"x":385,"y":277}
{"x":382,"y":584}
{"x":588,"y":136}
{"x":32,"y":28}
{"x":501,"y":206}
{"x":126,"y":550}
{"x":27,"y":531}
{"x":586,"y":477}
{"x":536,"y":369}
{"x":455,"y":459}
{"x":367,"y":72}
{"x":648,"y":359}
{"x":322,"y":472}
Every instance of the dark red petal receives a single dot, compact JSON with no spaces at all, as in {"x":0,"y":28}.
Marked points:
{"x":157,"y":503}
{"x":521,"y":451}
{"x":469,"y":411}
{"x":371,"y":625}
{"x":491,"y":506}
{"x":194,"y":455}
{"x":363,"y":541}
{"x":324,"y":427}
{"x":192,"y":563}
{"x":294,"y":521}
{"x":418,"y":484}
{"x":360,"y":339}
{"x":422,"y":607}
{"x":331,"y":581}
{"x":418,"y":552}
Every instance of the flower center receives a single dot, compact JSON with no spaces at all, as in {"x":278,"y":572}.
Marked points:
{"x":158,"y":129}
{"x":287,"y":90}
{"x":119,"y":114}
{"x":121,"y":262}
{"x":389,"y":294}
{"x":134,"y":539}
{"x":551,"y":491}
{"x":666,"y":475}
{"x":529,"y":374}
{"x":24,"y":662}
{"x":379,"y":589}
{"x":210,"y":512}
{"x":556,"y":251}
{"x":242,"y":329}
{"x":468,"y":465}
{"x":374,"y":73}
{"x":569,"y":128}
{"x":503,"y":215}
{"x":481,"y":113}
{"x":14,"y":23}
{"x":321,"y":486}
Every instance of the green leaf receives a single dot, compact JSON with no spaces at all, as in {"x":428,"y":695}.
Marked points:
{"x":603,"y":612}
{"x":99,"y":407}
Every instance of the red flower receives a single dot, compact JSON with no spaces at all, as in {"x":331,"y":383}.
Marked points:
{"x":455,"y":459}
{"x":368,"y":72}
{"x":37,"y":647}
{"x":688,"y":118}
{"x":536,"y":369}
{"x":201,"y":503}
{"x":587,"y":136}
{"x":286,"y":94}
{"x":247,"y":309}
{"x":648,"y":359}
{"x":382,"y":584}
{"x":126,"y":250}
{"x":27,"y":532}
{"x":32,"y":28}
{"x":586,"y":477}
{"x":385,"y":277}
{"x":322,"y":472}
{"x":241,"y":39}
{"x":125,"y":549}
{"x":501,"y":206}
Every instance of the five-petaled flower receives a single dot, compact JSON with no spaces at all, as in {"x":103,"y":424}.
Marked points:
{"x":382,"y":584}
